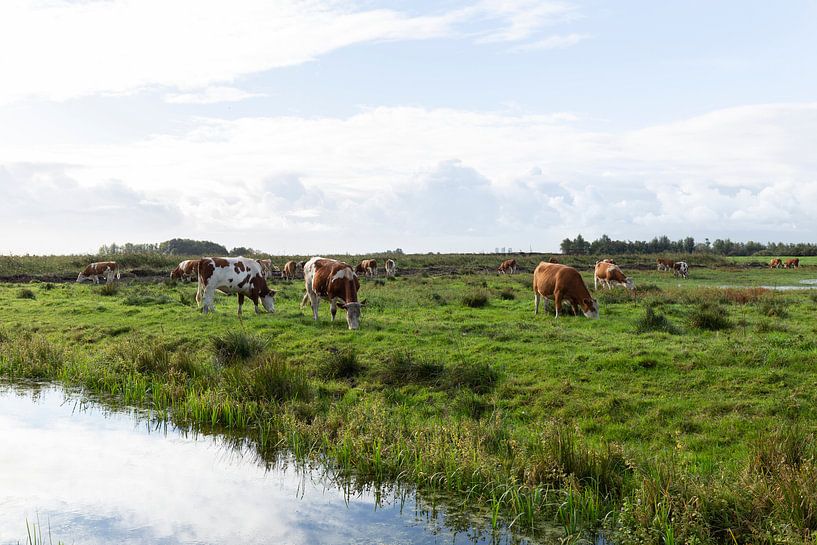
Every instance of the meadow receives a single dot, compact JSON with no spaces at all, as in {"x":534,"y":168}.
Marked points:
{"x":686,"y":414}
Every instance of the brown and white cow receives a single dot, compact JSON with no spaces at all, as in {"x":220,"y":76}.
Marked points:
{"x":680,"y":269}
{"x":267,"y":267}
{"x":792,"y":263}
{"x":562,"y":283}
{"x":187,"y":270}
{"x":507,"y":267}
{"x":336,"y":282}
{"x":367,"y":267}
{"x":108,"y":269}
{"x":775,"y":263}
{"x":609,"y":274}
{"x":391,"y":267}
{"x":290,"y":270}
{"x":665,"y":264}
{"x":231,"y":275}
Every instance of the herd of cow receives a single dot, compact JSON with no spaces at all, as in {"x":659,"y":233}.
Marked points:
{"x":338,"y":283}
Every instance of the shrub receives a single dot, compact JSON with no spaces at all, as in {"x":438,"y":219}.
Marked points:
{"x":439,"y":299}
{"x":470,"y":404}
{"x":25,"y":293}
{"x":743,"y":296}
{"x":479,"y":377}
{"x":507,"y":294}
{"x":710,"y":316}
{"x":654,"y":322}
{"x":403,"y":368}
{"x":236,"y":345}
{"x":475,"y":299}
{"x":339,"y":364}
{"x":48,"y":286}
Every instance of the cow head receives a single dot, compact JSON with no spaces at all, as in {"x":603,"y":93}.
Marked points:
{"x":176,"y":273}
{"x":629,"y":283}
{"x":590,"y":307}
{"x":352,"y":313}
{"x":268,"y":300}
{"x":81,"y":277}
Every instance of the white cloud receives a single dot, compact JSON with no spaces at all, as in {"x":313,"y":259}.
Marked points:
{"x":64,"y":50}
{"x":449,"y":179}
{"x":211,"y":95}
{"x":555,"y":41}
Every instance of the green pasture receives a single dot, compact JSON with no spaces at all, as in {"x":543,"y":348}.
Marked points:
{"x":624,"y":416}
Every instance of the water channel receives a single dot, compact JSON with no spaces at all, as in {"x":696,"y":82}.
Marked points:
{"x":87,"y":474}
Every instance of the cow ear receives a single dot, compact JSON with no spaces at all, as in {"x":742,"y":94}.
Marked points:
{"x":363,"y":303}
{"x":341,"y":304}
{"x":272,"y":292}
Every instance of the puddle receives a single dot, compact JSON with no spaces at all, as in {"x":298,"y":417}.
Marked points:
{"x":95,"y":476}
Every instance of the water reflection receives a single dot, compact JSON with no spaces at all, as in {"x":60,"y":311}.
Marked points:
{"x":100,"y":476}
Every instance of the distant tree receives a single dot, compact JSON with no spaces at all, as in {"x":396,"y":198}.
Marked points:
{"x":566,"y":246}
{"x":186,"y":246}
{"x":242,"y":250}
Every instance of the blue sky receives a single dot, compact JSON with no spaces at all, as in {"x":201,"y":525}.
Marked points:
{"x":317,"y":126}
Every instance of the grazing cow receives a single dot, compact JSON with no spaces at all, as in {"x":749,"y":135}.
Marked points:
{"x":665,"y":264}
{"x":290,"y":270}
{"x":391,"y":267}
{"x":792,"y":263}
{"x":507,"y":267}
{"x":563,"y":283}
{"x":680,"y":269}
{"x":187,"y":270}
{"x":336,"y":282}
{"x":609,"y":274}
{"x":367,"y":267}
{"x":108,"y":269}
{"x":267,"y":267}
{"x":231,"y":275}
{"x":775,"y":263}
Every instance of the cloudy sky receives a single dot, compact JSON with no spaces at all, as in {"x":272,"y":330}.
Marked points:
{"x":335,"y":126}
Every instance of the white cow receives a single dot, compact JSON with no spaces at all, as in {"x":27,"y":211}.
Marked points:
{"x":391,"y":267}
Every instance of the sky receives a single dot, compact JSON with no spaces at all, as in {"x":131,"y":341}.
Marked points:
{"x":341,"y":126}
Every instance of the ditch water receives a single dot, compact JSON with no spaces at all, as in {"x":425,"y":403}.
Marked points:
{"x":810,"y":284}
{"x":87,"y":474}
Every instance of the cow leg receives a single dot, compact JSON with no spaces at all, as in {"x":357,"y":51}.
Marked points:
{"x":536,"y":299}
{"x":315,"y":301}
{"x":255,"y":302}
{"x":557,"y":300}
{"x":240,"y":302}
{"x":333,"y":308}
{"x":595,"y":282}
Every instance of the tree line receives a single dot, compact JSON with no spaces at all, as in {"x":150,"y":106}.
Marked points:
{"x":176,"y":246}
{"x":659,"y":245}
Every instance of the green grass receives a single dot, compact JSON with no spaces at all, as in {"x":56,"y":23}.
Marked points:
{"x":694,"y":436}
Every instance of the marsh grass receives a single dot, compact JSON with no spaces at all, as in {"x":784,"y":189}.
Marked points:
{"x":652,"y":321}
{"x":141,"y":300}
{"x":710,"y":316}
{"x":339,"y":364}
{"x":268,"y":378}
{"x":26,"y":293}
{"x":507,"y":294}
{"x":236,"y":345}
{"x":773,"y":308}
{"x":475,"y":299}
{"x":109,"y":290}
{"x":403,"y":367}
{"x":480,"y":378}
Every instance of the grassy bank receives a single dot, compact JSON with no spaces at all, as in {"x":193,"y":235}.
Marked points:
{"x":685,"y":414}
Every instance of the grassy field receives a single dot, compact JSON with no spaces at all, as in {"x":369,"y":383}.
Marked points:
{"x":684,"y":414}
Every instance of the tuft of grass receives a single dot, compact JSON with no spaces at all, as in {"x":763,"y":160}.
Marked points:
{"x":471,"y":404}
{"x":109,"y":289}
{"x":237,"y":345}
{"x":709,"y":316}
{"x":773,"y":308}
{"x":480,"y":378}
{"x":743,"y":296}
{"x":271,"y":379}
{"x":403,"y":367}
{"x":651,"y":321}
{"x":135,"y":300}
{"x":507,"y":294}
{"x":339,"y":363}
{"x":439,"y":299}
{"x":48,"y":286}
{"x":475,"y":299}
{"x":25,"y":293}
